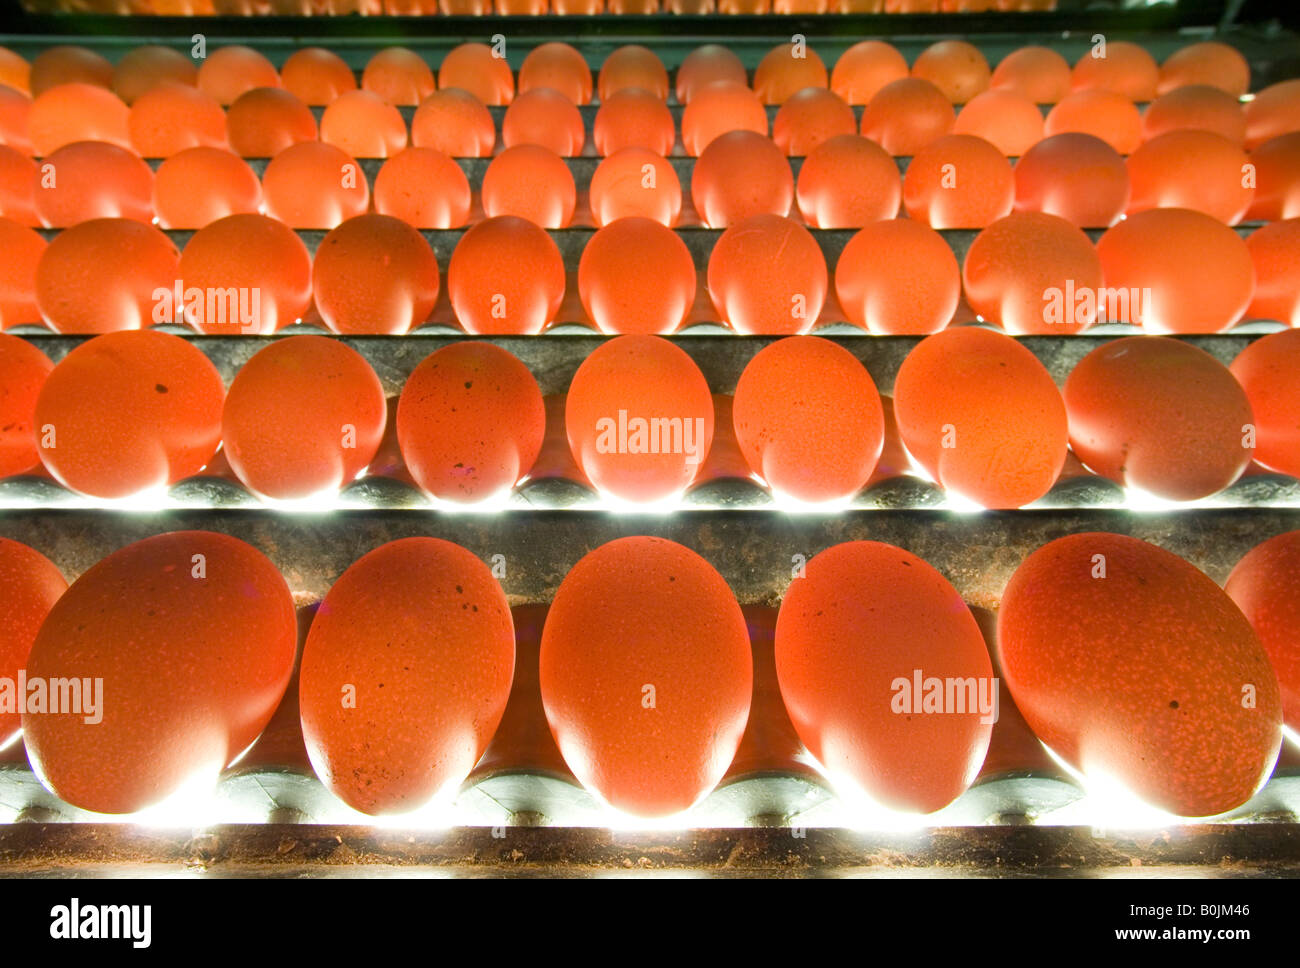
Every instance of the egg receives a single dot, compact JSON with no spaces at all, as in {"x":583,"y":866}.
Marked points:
{"x":18,"y":176}
{"x":866,"y":67}
{"x":559,"y":66}
{"x":424,"y":188}
{"x":197,"y":186}
{"x":1104,"y":114}
{"x":364,"y":125}
{"x":30,"y":584}
{"x":264,"y":121}
{"x":228,"y":72}
{"x":957,"y":68}
{"x":374,"y":275}
{"x":1276,"y":166}
{"x":633,"y":118}
{"x":454,"y":122}
{"x":172,"y":117}
{"x":255,"y":257}
{"x":632,"y":67}
{"x":1008,"y":120}
{"x":15,"y":115}
{"x":506,"y":276}
{"x":859,"y":637}
{"x":477,"y":69}
{"x":313,"y":185}
{"x":705,"y":65}
{"x":847,"y":182}
{"x":1119,"y":67}
{"x":1197,"y":107}
{"x":77,"y":112}
{"x":23,"y":371}
{"x":1208,"y":62}
{"x":68,"y":64}
{"x":635,"y":182}
{"x":898,"y":278}
{"x":808,"y":118}
{"x":1265,"y":585}
{"x":808,"y":419}
{"x":1181,"y":271}
{"x":1079,"y":177}
{"x":129,"y":412}
{"x":1039,"y":73}
{"x":1159,"y":415}
{"x":717,"y":108}
{"x":21,"y":249}
{"x":907,"y":115}
{"x":646,"y":675}
{"x":399,"y":76}
{"x":1273,"y":111}
{"x":639,"y":417}
{"x":636,"y":276}
{"x":741,"y":174}
{"x":958,"y":181}
{"x":787,"y":69}
{"x":1188,"y":169}
{"x":1275,"y":253}
{"x":532,"y":182}
{"x":470,"y":422}
{"x":767,"y":276}
{"x":15,"y":72}
{"x":93,"y":179}
{"x":316,"y":76}
{"x":981,"y":414}
{"x":141,"y":69}
{"x":1266,"y":371}
{"x":405,"y":675}
{"x":189,"y":638}
{"x":102,"y":275}
{"x":1137,"y":669}
{"x":543,"y":116}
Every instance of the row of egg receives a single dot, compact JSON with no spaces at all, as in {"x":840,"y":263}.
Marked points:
{"x":1127,"y":661}
{"x":538,"y":8}
{"x":128,"y":412}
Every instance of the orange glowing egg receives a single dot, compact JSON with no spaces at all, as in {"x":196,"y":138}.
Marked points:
{"x":633,"y":6}
{"x":313,"y":185}
{"x":1076,"y":176}
{"x":981,"y":414}
{"x":767,"y":276}
{"x":718,"y":108}
{"x":1192,"y":169}
{"x":1275,"y":252}
{"x":738,"y":175}
{"x":1104,"y":114}
{"x":129,"y":412}
{"x":1039,"y":73}
{"x":141,"y":69}
{"x":103,"y":275}
{"x":959,"y":182}
{"x":1159,"y":414}
{"x":808,"y":419}
{"x":531,"y":182}
{"x":364,"y":125}
{"x":30,"y":585}
{"x":18,"y":175}
{"x":316,"y":76}
{"x":172,"y":117}
{"x":1183,"y":271}
{"x":621,"y":395}
{"x":632,"y":66}
{"x":1274,"y":111}
{"x":399,"y":76}
{"x":559,"y":66}
{"x":303,"y":416}
{"x":1119,"y":67}
{"x":1264,"y":586}
{"x":506,"y":277}
{"x":633,"y":118}
{"x":898,"y":278}
{"x":1196,"y":106}
{"x":21,"y":249}
{"x":77,"y":112}
{"x":266,"y":120}
{"x":256,"y":257}
{"x":1266,"y":370}
{"x":786,"y":69}
{"x":477,"y":69}
{"x":94,"y":179}
{"x":808,"y":118}
{"x":636,"y":276}
{"x":635,"y":621}
{"x":1008,"y":120}
{"x":847,"y":182}
{"x":635,"y":181}
{"x":424,"y":188}
{"x":68,"y":64}
{"x":735,"y":7}
{"x":1277,"y":179}
{"x":1209,"y":62}
{"x":454,"y":122}
{"x":15,"y":113}
{"x":200,"y":185}
{"x":865,"y":68}
{"x":1033,"y":274}
{"x":23,"y":371}
{"x":374,"y":275}
{"x":705,"y":65}
{"x":15,"y":72}
{"x":470,"y":422}
{"x":545,"y":117}
{"x":228,"y":72}
{"x":956,"y":68}
{"x":907,"y":115}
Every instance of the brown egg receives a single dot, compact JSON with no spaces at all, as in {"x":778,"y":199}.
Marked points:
{"x":636,"y":276}
{"x":1196,"y":170}
{"x":1273,"y":111}
{"x":808,"y":118}
{"x":424,"y":188}
{"x":23,"y":371}
{"x":958,"y":182}
{"x":189,"y":638}
{"x":738,"y":175}
{"x":632,"y":182}
{"x":68,"y":64}
{"x":1264,"y":585}
{"x":374,"y":275}
{"x":21,"y":249}
{"x":454,"y":122}
{"x":1076,"y":176}
{"x":1104,"y":114}
{"x":865,"y":68}
{"x":1196,"y":106}
{"x":718,"y":108}
{"x":1006,"y":119}
{"x":418,"y":633}
{"x":633,"y":118}
{"x":77,"y":112}
{"x":30,"y":584}
{"x":899,"y":278}
{"x":15,"y":72}
{"x":15,"y":113}
{"x":847,"y":182}
{"x":1266,"y":371}
{"x":129,"y":412}
{"x":141,"y":69}
{"x":646,"y":675}
{"x":632,"y":67}
{"x":477,"y":69}
{"x":1208,"y":62}
{"x":170,"y":117}
{"x":264,"y":121}
{"x":1277,"y":179}
{"x":399,"y":76}
{"x":1039,"y":73}
{"x":1160,"y":415}
{"x":767,"y":276}
{"x":316,"y":76}
{"x":313,"y":185}
{"x":532,"y":182}
{"x":364,"y":125}
{"x":18,"y":177}
{"x":907,"y":115}
{"x":559,"y":66}
{"x":1119,"y":67}
{"x":506,"y":276}
{"x":787,"y":69}
{"x":228,"y":72}
{"x":1275,"y":253}
{"x":470,"y":422}
{"x":200,"y":185}
{"x":705,"y":65}
{"x":956,"y":68}
{"x":542,"y":116}
{"x":93,"y":179}
{"x":1137,"y":669}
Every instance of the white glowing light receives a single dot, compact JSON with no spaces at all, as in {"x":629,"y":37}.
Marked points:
{"x":794,"y":505}
{"x":1107,"y":804}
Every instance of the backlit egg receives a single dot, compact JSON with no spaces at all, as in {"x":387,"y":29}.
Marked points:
{"x":375,"y":275}
{"x":865,"y":68}
{"x":705,"y":65}
{"x":786,"y":69}
{"x":767,"y":276}
{"x":129,"y":412}
{"x":477,"y":69}
{"x":200,"y":185}
{"x":907,"y":115}
{"x":1138,"y":670}
{"x":958,"y":182}
{"x":172,"y":117}
{"x":68,"y":64}
{"x":1160,"y":415}
{"x":808,"y":118}
{"x":228,"y":72}
{"x":30,"y":584}
{"x":1117,"y":66}
{"x":317,"y":76}
{"x":531,"y":182}
{"x":93,"y":179}
{"x":1076,"y":176}
{"x":141,"y":69}
{"x":15,"y":72}
{"x":866,"y":687}
{"x":23,"y":370}
{"x":718,"y":108}
{"x":18,"y":176}
{"x":77,"y":112}
{"x":1273,"y":111}
{"x":1007,"y":120}
{"x":738,"y":175}
{"x":188,"y":639}
{"x":636,"y":276}
{"x":632,"y":182}
{"x":542,"y":116}
{"x":646,"y":675}
{"x":1189,"y":169}
{"x":1104,"y":114}
{"x":424,"y":188}
{"x":1197,"y":106}
{"x":955,"y":67}
{"x":632,"y":67}
{"x":15,"y":112}
{"x":1276,"y":166}
{"x":506,"y":276}
{"x":364,"y":125}
{"x":454,"y":122}
{"x":313,"y":185}
{"x":1266,"y":370}
{"x":1039,"y":73}
{"x":559,"y":66}
{"x":418,"y":633}
{"x":633,"y":118}
{"x":898,"y":278}
{"x":1208,"y":62}
{"x":264,"y":121}
{"x":1265,"y":585}
{"x":1275,"y":252}
{"x":847,"y":182}
{"x":21,"y":249}
{"x":470,"y":422}
{"x":399,"y":76}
